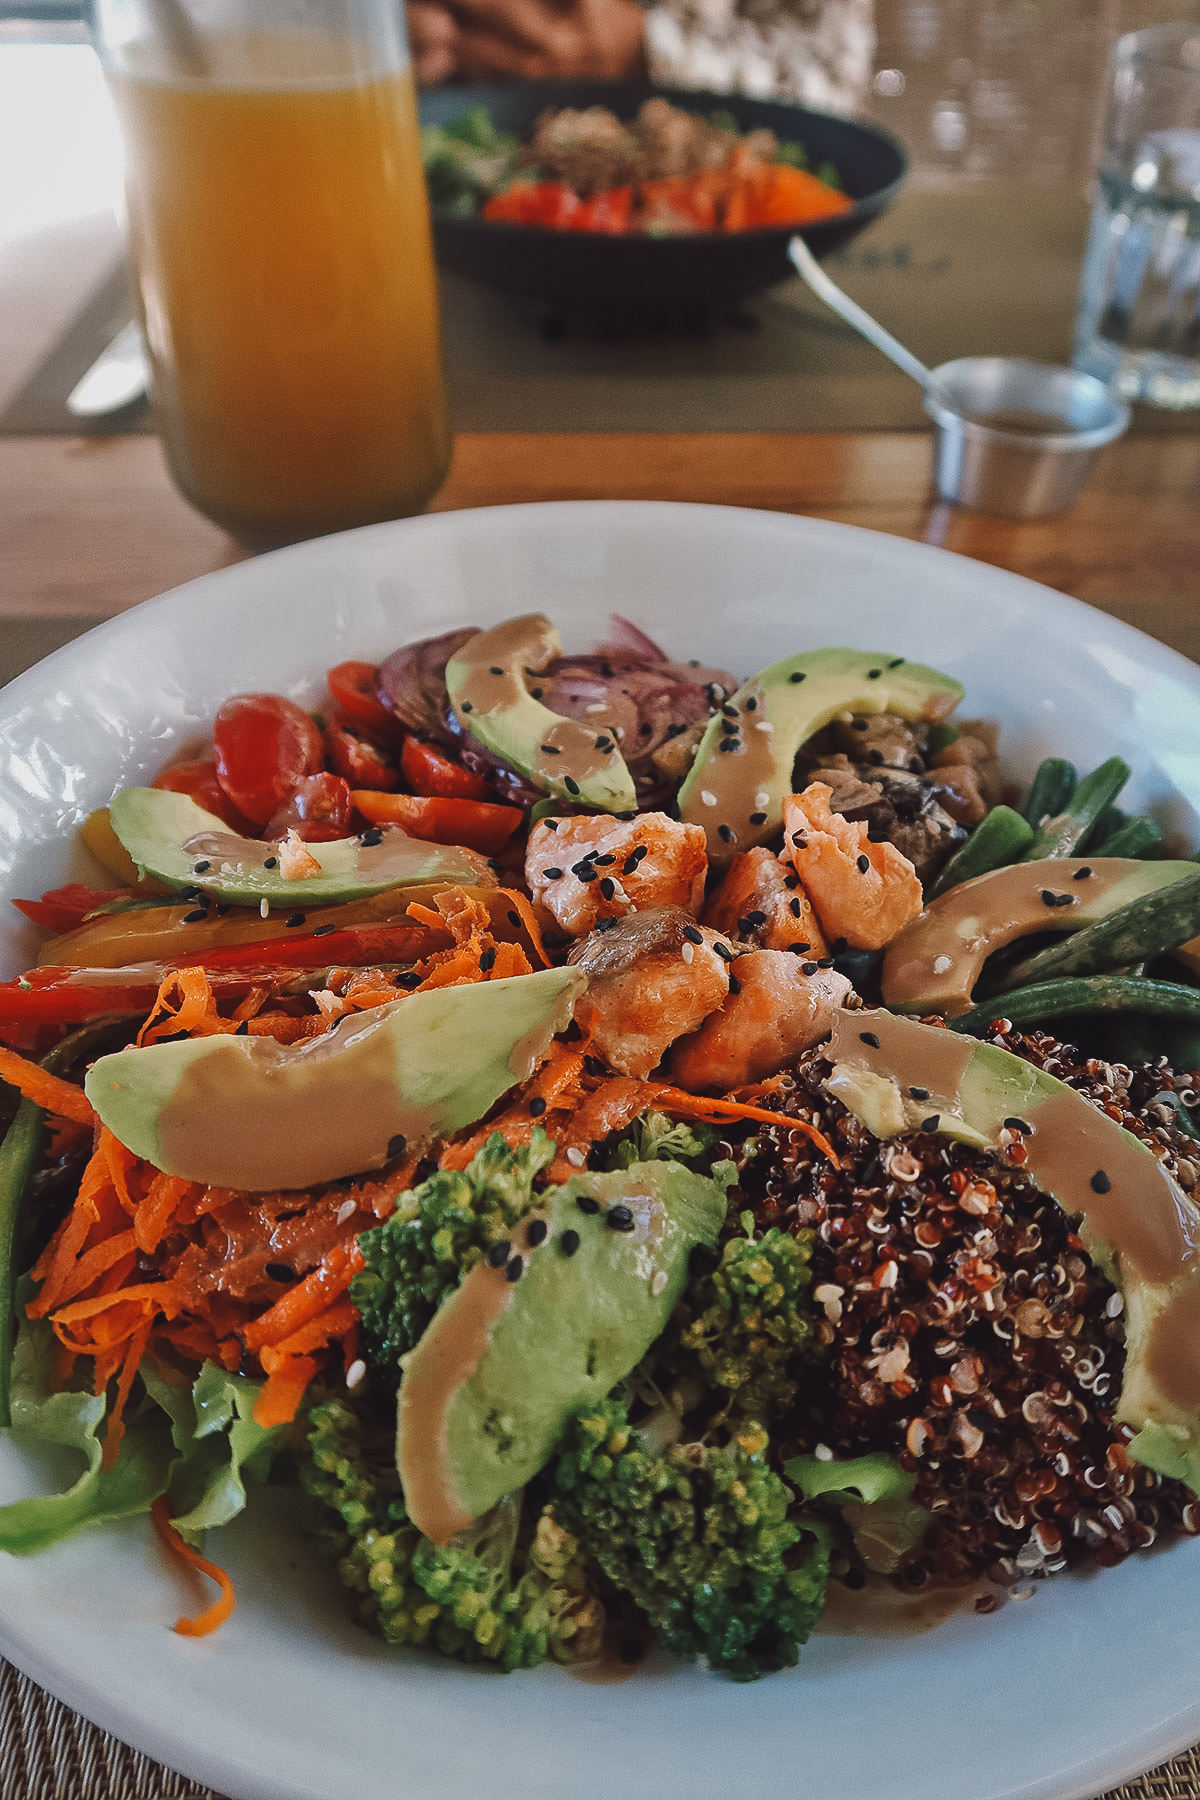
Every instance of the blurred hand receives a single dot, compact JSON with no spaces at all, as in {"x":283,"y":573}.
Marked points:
{"x":525,"y":39}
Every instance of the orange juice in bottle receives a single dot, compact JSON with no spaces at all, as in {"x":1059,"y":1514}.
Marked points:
{"x":281,"y":243}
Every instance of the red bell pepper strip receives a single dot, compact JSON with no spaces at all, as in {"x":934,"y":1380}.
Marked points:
{"x":471,"y":823}
{"x":62,"y":909}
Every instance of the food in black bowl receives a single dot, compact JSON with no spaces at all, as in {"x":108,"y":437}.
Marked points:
{"x":636,"y":253}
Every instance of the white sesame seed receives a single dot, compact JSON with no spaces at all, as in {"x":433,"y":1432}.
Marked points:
{"x":264,"y":907}
{"x":346,"y":1211}
{"x":687,"y":951}
{"x":761,"y":800}
{"x":764,"y":725}
{"x":356,"y":1374}
{"x":597,"y":706}
{"x":576,"y":1158}
{"x":941,"y":964}
{"x":708,"y":798}
{"x":658,"y":1281}
{"x":823,"y":1453}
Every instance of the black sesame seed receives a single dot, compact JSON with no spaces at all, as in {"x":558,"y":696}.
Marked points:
{"x":724,"y":952}
{"x":693,"y":935}
{"x":191,"y":893}
{"x":277,"y":1271}
{"x":868,"y":1037}
{"x":201,"y":868}
{"x":552,"y":874}
{"x":602,"y":862}
{"x":932,"y":1122}
{"x":496,"y":669}
{"x":537,"y":1107}
{"x":600,"y":925}
{"x":514,"y":918}
{"x":735,"y":986}
{"x":758,"y":818}
{"x":488,"y":959}
{"x":858,"y":724}
{"x":919,"y":1093}
{"x":242,"y":1030}
{"x":584,"y":870}
{"x":752,"y":704}
{"x":874,"y":674}
{"x":550,"y":824}
{"x":800,"y":947}
{"x":397,"y":1145}
{"x":536,"y":1233}
{"x":568,"y":1242}
{"x":536,"y":693}
{"x":513,"y":1269}
{"x":551,"y":750}
{"x":808,"y":968}
{"x":796,"y":907}
{"x":645,"y":729}
{"x":294,"y":919}
{"x":323,"y":930}
{"x":571,"y":785}
{"x":1049,"y":898}
{"x":197,"y":917}
{"x":896,"y":662}
{"x":864,"y":863}
{"x":593,"y":1065}
{"x":826,"y":962}
{"x":1100,"y":1182}
{"x":875,"y":758}
{"x":1021,"y":1125}
{"x":608,"y":887}
{"x":466,"y":707}
{"x":1081,"y":874}
{"x":791,"y":881}
{"x":409,"y":979}
{"x":272,"y":862}
{"x":619,"y":1218}
{"x":674,"y":730}
{"x":726,"y":834}
{"x":753,"y":918}
{"x":587,"y":1204}
{"x":797,"y":675}
{"x":370,"y":838}
{"x":499,"y":1253}
{"x":730,"y":712}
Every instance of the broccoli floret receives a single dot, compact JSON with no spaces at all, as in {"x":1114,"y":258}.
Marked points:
{"x":513,"y":1589}
{"x":438,"y":1232}
{"x":699,"y":1537}
{"x":744,"y":1327}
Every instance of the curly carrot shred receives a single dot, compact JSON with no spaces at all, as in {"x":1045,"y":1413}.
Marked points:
{"x":694,"y":1106}
{"x":50,"y":1091}
{"x":214,"y":1615}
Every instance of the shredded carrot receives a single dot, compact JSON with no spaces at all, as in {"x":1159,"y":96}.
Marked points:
{"x":694,"y":1106}
{"x":219,"y":1611}
{"x":185,"y":1002}
{"x":158,"y":1208}
{"x":50,"y":1091}
{"x":523,"y":909}
{"x":283,"y":1391}
{"x":308,"y":1298}
{"x":334,"y":1322}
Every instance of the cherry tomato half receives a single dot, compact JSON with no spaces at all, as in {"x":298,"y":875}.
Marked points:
{"x":353,"y":753}
{"x":428,"y":770}
{"x":355,"y":690}
{"x":317,"y":810}
{"x":198,"y":780}
{"x":265,"y":746}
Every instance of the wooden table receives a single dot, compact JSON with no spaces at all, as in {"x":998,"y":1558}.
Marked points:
{"x":91,"y":526}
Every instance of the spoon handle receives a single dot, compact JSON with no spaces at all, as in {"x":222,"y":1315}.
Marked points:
{"x":848,"y":309}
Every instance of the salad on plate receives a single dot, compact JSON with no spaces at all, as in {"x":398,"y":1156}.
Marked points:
{"x":647,"y":1152}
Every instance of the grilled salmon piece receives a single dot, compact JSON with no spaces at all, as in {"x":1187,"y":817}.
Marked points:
{"x":762,"y":902}
{"x":773,"y":1013}
{"x":581,"y":870}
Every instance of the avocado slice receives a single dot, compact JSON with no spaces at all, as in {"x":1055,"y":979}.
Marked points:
{"x":1137,"y":1222}
{"x":170,"y":837}
{"x":743,"y":766}
{"x":933,"y":962}
{"x":253,"y":1114}
{"x":516,"y":1350}
{"x":488,"y":688}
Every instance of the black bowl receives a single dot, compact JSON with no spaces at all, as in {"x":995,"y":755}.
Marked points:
{"x":644,"y":274}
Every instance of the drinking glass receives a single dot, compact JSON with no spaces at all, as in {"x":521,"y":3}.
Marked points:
{"x":280,"y":241}
{"x":1138,"y":324}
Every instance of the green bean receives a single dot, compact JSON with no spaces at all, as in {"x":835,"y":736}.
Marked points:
{"x":20,"y":1155}
{"x":1050,"y":790}
{"x":1062,"y":832}
{"x":1138,"y":837}
{"x":1095,"y":994}
{"x":1110,"y":820}
{"x":1145,"y":927}
{"x":996,"y":840}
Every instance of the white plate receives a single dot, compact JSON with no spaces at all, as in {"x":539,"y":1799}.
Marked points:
{"x":1090,"y":1682}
